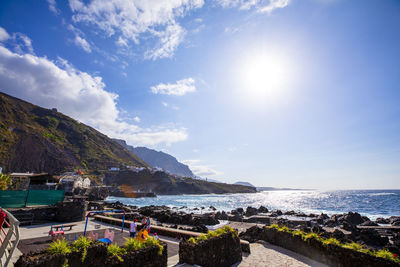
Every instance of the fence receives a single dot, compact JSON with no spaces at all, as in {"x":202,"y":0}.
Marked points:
{"x":19,"y":199}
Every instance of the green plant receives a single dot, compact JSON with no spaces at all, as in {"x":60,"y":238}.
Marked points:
{"x":59,"y":247}
{"x":353,"y":246}
{"x":5,"y":181}
{"x":331,"y":241}
{"x":211,"y":234}
{"x":82,"y":244}
{"x":116,"y":251}
{"x":132,"y":244}
{"x":153,"y":242}
{"x":386,"y":254}
{"x":311,"y":236}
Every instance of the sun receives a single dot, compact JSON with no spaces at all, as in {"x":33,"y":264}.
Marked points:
{"x":264,"y":77}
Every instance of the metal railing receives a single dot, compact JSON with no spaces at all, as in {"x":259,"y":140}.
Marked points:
{"x":9,"y":229}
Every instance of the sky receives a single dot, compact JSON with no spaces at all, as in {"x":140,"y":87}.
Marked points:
{"x":282,"y":93}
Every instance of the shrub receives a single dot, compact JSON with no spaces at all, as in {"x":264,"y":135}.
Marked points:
{"x":331,"y":241}
{"x":59,"y":247}
{"x":386,"y":254}
{"x":353,"y":246}
{"x":211,"y":234}
{"x":311,"y":236}
{"x":116,"y":251}
{"x":132,"y":244}
{"x":82,"y":244}
{"x":153,"y":242}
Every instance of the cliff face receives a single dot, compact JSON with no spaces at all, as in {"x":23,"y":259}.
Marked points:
{"x":159,"y":159}
{"x":36,"y":139}
{"x":164,"y":184}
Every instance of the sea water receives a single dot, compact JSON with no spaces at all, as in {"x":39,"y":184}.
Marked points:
{"x":371,"y":203}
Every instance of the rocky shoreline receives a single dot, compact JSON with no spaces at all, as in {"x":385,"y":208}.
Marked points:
{"x":383,"y":233}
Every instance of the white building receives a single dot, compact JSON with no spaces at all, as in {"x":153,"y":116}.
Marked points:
{"x":114,"y":169}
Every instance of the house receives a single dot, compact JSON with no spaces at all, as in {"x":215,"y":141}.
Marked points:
{"x":28,"y":180}
{"x":114,"y":169}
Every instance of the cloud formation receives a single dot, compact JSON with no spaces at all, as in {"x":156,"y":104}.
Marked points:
{"x":77,"y":94}
{"x":82,"y":43}
{"x":179,"y":88}
{"x":200,"y":169}
{"x":132,"y":21}
{"x":262,"y":6}
{"x":3,"y":34}
{"x":53,"y":7}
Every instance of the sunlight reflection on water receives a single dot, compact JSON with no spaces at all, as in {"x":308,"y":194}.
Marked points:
{"x":372,"y":203}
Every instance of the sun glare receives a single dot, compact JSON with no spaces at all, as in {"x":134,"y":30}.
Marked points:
{"x":264,"y":77}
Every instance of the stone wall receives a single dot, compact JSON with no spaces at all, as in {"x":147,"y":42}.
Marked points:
{"x":73,"y":211}
{"x":27,"y":216}
{"x":97,"y":256}
{"x":223,"y":250}
{"x":331,"y":255}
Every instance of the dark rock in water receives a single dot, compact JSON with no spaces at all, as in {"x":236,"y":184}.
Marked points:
{"x":250,"y":211}
{"x":291,"y":212}
{"x":369,"y":223}
{"x":221,"y":215}
{"x":394,"y":219}
{"x":365,"y":218}
{"x":382,"y":220}
{"x":196,"y":209}
{"x":321,"y":218}
{"x":240,"y":210}
{"x":279,"y":212}
{"x":396,"y":223}
{"x":212,"y":208}
{"x":262,"y":209}
{"x":353,"y":218}
{"x":252,"y":234}
{"x":373,"y":238}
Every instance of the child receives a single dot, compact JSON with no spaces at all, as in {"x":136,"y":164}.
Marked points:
{"x":148,"y":224}
{"x":155,"y":236}
{"x":132,"y":230}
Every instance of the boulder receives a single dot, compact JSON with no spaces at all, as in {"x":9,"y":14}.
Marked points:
{"x":262,"y":209}
{"x":250,"y":211}
{"x":382,"y":220}
{"x":371,"y":237}
{"x":353,"y":218}
{"x":252,"y":234}
{"x":369,"y":223}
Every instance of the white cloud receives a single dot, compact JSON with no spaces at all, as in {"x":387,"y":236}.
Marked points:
{"x":200,"y":169}
{"x":3,"y":34}
{"x":137,"y":119}
{"x":165,"y":104}
{"x":169,"y":39}
{"x":53,"y":6}
{"x":77,"y":94}
{"x":82,"y":43}
{"x":179,"y":88}
{"x":137,"y":19}
{"x":262,"y":6}
{"x":196,"y":150}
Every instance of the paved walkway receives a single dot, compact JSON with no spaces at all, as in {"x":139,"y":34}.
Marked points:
{"x":265,"y":254}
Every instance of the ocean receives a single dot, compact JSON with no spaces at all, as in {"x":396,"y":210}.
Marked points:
{"x":371,"y":203}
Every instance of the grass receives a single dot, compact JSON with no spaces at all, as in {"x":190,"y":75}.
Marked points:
{"x":383,"y":253}
{"x":211,"y":234}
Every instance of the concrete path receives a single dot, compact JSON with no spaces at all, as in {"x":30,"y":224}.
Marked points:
{"x":265,"y":254}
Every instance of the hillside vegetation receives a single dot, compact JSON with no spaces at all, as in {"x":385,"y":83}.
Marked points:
{"x":36,"y":139}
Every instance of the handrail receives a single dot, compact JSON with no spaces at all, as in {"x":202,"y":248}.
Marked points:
{"x":13,"y":229}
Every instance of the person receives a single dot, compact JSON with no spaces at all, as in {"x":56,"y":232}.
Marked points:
{"x":148,"y":224}
{"x":155,"y":236}
{"x":132,"y":230}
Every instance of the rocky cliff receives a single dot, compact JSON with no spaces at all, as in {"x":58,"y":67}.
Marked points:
{"x":159,"y":159}
{"x":36,"y":139}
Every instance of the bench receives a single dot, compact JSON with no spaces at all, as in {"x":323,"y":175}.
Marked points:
{"x":63,"y":226}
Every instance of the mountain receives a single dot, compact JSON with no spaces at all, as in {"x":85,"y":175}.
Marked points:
{"x":163,"y":183}
{"x":36,"y":139}
{"x":245,"y":184}
{"x":159,"y":159}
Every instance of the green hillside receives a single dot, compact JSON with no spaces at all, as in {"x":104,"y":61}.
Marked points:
{"x":37,"y":139}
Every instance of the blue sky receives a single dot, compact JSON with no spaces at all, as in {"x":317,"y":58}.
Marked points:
{"x":284,"y":93}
